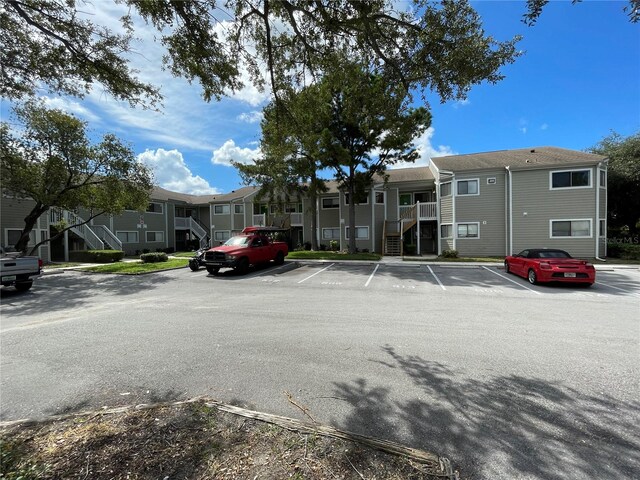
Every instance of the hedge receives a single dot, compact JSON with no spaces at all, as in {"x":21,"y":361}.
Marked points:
{"x":625,"y":251}
{"x":96,"y":256}
{"x":154,"y":257}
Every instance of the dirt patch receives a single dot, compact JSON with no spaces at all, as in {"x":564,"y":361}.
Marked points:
{"x":190,"y":441}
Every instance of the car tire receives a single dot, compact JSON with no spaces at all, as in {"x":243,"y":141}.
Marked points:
{"x":279,"y":260}
{"x":194,"y":265}
{"x":24,"y":286}
{"x":213,"y":270}
{"x":506,"y":267}
{"x":532,"y":277}
{"x":243,"y":266}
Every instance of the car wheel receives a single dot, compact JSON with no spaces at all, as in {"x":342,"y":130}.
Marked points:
{"x":24,"y":286}
{"x":279,"y":260}
{"x":243,"y":266}
{"x":194,"y":265}
{"x":213,"y":270}
{"x":506,"y":267}
{"x":532,"y":277}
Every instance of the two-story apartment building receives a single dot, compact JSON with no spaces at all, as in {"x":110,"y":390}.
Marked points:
{"x":482,"y":204}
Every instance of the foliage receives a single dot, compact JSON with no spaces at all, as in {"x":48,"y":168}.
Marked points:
{"x":435,"y":45}
{"x":623,"y":175}
{"x":327,"y":255}
{"x":15,"y":465}
{"x":625,"y":251}
{"x":410,"y":249}
{"x":96,"y":256}
{"x":535,"y":7}
{"x":334,"y":245}
{"x":450,"y":254}
{"x":48,"y":158}
{"x":137,"y":268}
{"x":154,"y":257}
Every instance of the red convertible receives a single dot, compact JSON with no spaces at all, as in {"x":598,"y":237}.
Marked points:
{"x":546,"y":265}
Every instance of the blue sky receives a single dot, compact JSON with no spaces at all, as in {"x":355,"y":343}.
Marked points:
{"x":578,"y":80}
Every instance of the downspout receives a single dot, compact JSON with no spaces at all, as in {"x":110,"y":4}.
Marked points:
{"x":453,"y":208}
{"x":233,"y":216}
{"x":372,"y":237}
{"x":506,"y":214}
{"x":438,"y":218}
{"x":597,"y":225}
{"x":510,"y":250}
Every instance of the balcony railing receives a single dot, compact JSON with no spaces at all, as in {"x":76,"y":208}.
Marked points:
{"x":426,"y":211}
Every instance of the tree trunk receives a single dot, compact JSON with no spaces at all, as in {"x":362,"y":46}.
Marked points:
{"x":30,"y":222}
{"x":352,"y":217}
{"x":313,"y":198}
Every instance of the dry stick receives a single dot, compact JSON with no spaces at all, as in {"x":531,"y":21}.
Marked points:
{"x":303,"y":409}
{"x":354,"y":467}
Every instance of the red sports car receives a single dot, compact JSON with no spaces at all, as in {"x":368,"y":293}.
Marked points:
{"x":547,"y":265}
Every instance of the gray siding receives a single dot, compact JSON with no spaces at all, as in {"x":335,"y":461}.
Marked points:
{"x":12,"y":214}
{"x":392,"y":204}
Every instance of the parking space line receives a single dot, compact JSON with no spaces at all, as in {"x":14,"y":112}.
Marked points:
{"x":371,"y":276}
{"x":512,"y":281}
{"x":319,"y":271}
{"x":434,"y":276}
{"x":618,"y":288}
{"x":266,"y":272}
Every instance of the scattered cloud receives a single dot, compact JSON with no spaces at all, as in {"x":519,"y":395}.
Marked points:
{"x":544,"y":126}
{"x":426,"y":150}
{"x":231,"y":152}
{"x":70,"y":106}
{"x":523,"y":125}
{"x":254,"y":116}
{"x":461,"y":103}
{"x":171,"y":172}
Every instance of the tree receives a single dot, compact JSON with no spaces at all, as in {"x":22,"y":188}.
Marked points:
{"x":623,"y":175}
{"x":535,"y":7}
{"x":50,"y":160}
{"x":439,"y":46}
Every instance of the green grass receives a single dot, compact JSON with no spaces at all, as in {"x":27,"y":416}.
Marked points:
{"x":61,"y":265}
{"x":135,"y":268}
{"x":182,"y":254}
{"x":320,"y":255}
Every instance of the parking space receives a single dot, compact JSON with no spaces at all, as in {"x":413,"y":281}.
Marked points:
{"x":436,"y":279}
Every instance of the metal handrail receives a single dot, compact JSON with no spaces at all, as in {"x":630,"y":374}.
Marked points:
{"x":107,"y":235}
{"x":78,"y":227}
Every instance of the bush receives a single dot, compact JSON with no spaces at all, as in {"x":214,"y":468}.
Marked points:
{"x":334,"y":245}
{"x":96,"y":256}
{"x":322,"y":247}
{"x":154,"y":257}
{"x":450,"y":253}
{"x":624,"y":251}
{"x":307,"y":245}
{"x":410,"y":249}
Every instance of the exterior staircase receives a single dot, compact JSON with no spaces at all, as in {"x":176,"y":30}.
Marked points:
{"x":91,"y":239}
{"x":195,"y":227}
{"x":393,"y":231}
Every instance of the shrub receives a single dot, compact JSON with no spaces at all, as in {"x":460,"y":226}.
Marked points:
{"x":145,"y":250}
{"x":450,"y":253}
{"x":624,"y":251}
{"x":154,"y":257}
{"x":334,"y":245}
{"x":96,"y":256}
{"x":307,"y":245}
{"x":410,"y":249}
{"x":322,"y":247}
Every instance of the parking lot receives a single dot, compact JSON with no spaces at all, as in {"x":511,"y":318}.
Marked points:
{"x":428,"y":279}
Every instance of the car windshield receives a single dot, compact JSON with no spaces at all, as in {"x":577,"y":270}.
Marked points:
{"x":237,"y":241}
{"x":554,"y":254}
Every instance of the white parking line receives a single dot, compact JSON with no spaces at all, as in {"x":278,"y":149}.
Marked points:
{"x":266,"y":272}
{"x":371,"y":276}
{"x":434,"y":276}
{"x":319,"y":271}
{"x":512,"y":281}
{"x":618,"y":288}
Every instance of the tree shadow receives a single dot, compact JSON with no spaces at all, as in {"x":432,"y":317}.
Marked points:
{"x":502,"y":427}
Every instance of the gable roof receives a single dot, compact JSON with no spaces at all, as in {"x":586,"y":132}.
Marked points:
{"x":409,"y":174}
{"x":523,"y":158}
{"x":163,"y":194}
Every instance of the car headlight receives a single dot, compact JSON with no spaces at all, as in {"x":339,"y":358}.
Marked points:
{"x":231,"y":257}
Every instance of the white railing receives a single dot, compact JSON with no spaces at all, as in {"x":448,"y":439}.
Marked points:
{"x":259,"y":220}
{"x":196,"y":228}
{"x":190,"y":223}
{"x":108,"y":237}
{"x":181,"y":223}
{"x":83,"y":231}
{"x":297,"y":219}
{"x":427,"y":210}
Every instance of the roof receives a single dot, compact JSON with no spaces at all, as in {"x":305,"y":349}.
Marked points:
{"x":163,"y":194}
{"x":410,"y":174}
{"x":523,"y":158}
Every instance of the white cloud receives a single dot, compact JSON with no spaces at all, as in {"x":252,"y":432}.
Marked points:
{"x":426,"y":150}
{"x":544,"y":126}
{"x":254,"y":116}
{"x":523,"y":125}
{"x":171,"y":172}
{"x":462,"y":103}
{"x":70,"y":106}
{"x":523,"y":130}
{"x":231,"y":152}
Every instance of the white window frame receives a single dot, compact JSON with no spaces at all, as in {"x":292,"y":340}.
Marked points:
{"x":32,"y":237}
{"x":603,"y":178}
{"x":446,"y":225}
{"x":336,"y":207}
{"x":590,"y":220}
{"x":375,"y":197}
{"x":467,"y":237}
{"x":442,"y":195}
{"x":602,"y":228}
{"x":225,"y":233}
{"x":552,"y":172}
{"x":161,"y":212}
{"x":477,"y":180}
{"x":235,"y":208}
{"x":137,"y":235}
{"x":337,"y":229}
{"x":346,"y":198}
{"x":146,"y":236}
{"x":346,"y":232}
{"x":222,"y":205}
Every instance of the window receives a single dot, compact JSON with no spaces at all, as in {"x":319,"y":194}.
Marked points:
{"x":13,"y":235}
{"x":405,"y":199}
{"x":154,"y":207}
{"x":331,"y":202}
{"x":445,"y":189}
{"x":362,"y":233}
{"x":154,"y":236}
{"x":602,"y":232}
{"x":571,"y":179}
{"x":239,"y":208}
{"x":331,"y":234}
{"x":363,"y":201}
{"x":446,"y":230}
{"x":379,"y":198}
{"x":467,"y":187}
{"x":571,"y":228}
{"x":603,"y":178}
{"x":221,"y":210}
{"x":127,"y":237}
{"x":221,"y":235}
{"x":468,"y":230}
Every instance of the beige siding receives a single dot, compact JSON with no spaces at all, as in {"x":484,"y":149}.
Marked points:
{"x":446,"y":209}
{"x":535,"y":205}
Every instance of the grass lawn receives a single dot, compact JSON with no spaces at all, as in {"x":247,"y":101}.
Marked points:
{"x":320,"y":255}
{"x":182,"y":254}
{"x":49,"y":266}
{"x":135,"y":268}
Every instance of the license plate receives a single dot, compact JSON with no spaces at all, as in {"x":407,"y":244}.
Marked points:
{"x":9,"y":278}
{"x":569,"y":275}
